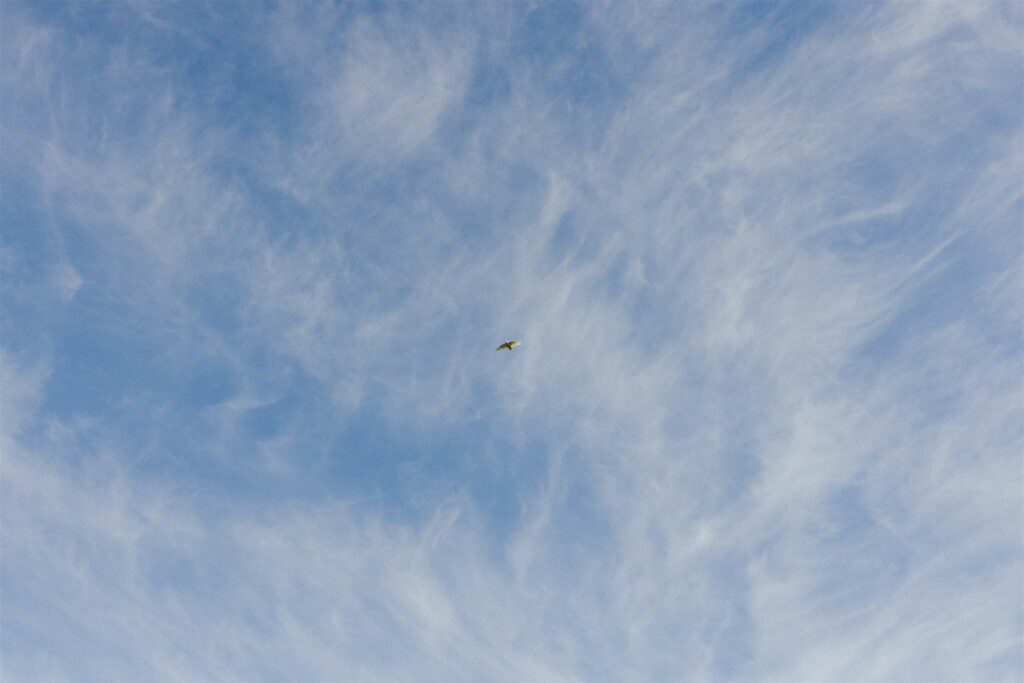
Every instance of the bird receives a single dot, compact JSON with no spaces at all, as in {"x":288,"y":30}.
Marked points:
{"x":508,"y":345}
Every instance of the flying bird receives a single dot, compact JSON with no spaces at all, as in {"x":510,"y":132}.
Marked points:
{"x":508,"y":345}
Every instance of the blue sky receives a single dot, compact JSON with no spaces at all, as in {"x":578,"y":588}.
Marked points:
{"x":765,"y":261}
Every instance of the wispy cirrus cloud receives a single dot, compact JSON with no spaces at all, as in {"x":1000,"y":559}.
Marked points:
{"x":765,"y":262}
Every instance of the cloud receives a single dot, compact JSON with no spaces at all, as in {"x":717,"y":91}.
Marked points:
{"x":766,"y":418}
{"x":391,"y":98}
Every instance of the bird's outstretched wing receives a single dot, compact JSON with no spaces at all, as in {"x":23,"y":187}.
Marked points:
{"x":503,"y":347}
{"x":512,"y":345}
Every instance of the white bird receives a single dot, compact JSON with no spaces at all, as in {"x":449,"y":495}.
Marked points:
{"x":508,"y":345}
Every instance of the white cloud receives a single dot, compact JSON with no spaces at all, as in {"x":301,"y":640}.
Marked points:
{"x":391,"y":92}
{"x":749,"y":435}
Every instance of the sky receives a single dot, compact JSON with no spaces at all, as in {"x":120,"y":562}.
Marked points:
{"x":765,"y":261}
